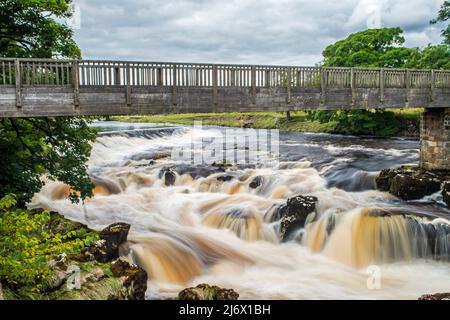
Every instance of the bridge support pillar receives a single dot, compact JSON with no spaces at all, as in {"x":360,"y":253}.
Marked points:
{"x":435,"y":139}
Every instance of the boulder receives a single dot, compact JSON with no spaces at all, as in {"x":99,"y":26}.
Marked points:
{"x":293,"y":214}
{"x":225,"y":178}
{"x":435,"y":296}
{"x":135,"y":278}
{"x":207,"y":292}
{"x":107,"y":248}
{"x":410,"y":183}
{"x":168,"y":176}
{"x":256,"y":182}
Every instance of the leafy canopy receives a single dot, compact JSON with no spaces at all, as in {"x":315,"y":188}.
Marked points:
{"x":370,"y":48}
{"x":30,"y":28}
{"x":55,"y":147}
{"x":30,"y":148}
{"x":444,"y":15}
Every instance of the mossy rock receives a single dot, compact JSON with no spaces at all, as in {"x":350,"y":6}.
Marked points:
{"x":410,"y":183}
{"x":207,"y":292}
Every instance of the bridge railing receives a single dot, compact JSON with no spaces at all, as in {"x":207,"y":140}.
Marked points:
{"x":37,"y":72}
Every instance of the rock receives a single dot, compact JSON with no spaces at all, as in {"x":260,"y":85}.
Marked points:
{"x":294,"y":213}
{"x":107,"y":248}
{"x":2,"y":296}
{"x":225,"y":178}
{"x":207,"y":292}
{"x":446,"y":193}
{"x":411,"y":188}
{"x":169,"y":176}
{"x":435,"y":296}
{"x":256,"y":182}
{"x":410,"y":183}
{"x":135,"y":278}
{"x":195,"y":171}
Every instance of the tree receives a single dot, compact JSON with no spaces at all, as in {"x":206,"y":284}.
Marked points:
{"x":444,"y":15}
{"x":55,"y":147}
{"x":433,"y":57}
{"x":28,"y":29}
{"x":371,"y":48}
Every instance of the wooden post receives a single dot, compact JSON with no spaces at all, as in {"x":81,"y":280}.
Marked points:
{"x":253,"y":82}
{"x":323,"y":85}
{"x":381,"y":85}
{"x":76,"y":83}
{"x":128,"y":85}
{"x":432,"y":85}
{"x":17,"y":76}
{"x":174,"y":85}
{"x":117,"y":76}
{"x":288,"y":85}
{"x":268,"y":78}
{"x":353,"y":86}
{"x":407,"y":85}
{"x":159,"y":76}
{"x":214,"y":85}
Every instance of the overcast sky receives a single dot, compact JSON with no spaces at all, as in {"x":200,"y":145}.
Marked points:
{"x":241,"y":31}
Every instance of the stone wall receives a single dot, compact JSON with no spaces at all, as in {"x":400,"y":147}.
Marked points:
{"x":435,"y":139}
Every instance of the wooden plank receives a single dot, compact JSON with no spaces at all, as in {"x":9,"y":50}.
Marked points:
{"x":76,"y":83}
{"x":17,"y":75}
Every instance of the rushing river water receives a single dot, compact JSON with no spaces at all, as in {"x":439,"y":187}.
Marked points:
{"x":221,"y":231}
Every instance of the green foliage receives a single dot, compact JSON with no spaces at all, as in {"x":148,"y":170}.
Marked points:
{"x":360,"y":122}
{"x":57,"y":148}
{"x":381,"y":48}
{"x":433,"y":57}
{"x":444,"y":15}
{"x":29,"y":29}
{"x":27,"y":243}
{"x":370,"y":48}
{"x":30,"y":148}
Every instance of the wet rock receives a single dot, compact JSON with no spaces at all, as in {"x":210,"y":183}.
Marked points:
{"x":410,"y":183}
{"x":225,"y":178}
{"x":446,"y":193}
{"x":294,"y":213}
{"x":412,"y":188}
{"x":435,"y":296}
{"x":168,"y":176}
{"x":135,"y":278}
{"x":107,"y":248}
{"x":256,"y":182}
{"x":195,"y":171}
{"x":207,"y":292}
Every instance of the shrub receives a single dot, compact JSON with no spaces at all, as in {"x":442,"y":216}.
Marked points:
{"x":26,"y":245}
{"x":377,"y":122}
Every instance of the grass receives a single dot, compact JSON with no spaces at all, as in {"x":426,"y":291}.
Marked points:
{"x":261,"y":120}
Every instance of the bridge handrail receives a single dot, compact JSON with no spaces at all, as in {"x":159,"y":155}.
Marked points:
{"x":66,"y":72}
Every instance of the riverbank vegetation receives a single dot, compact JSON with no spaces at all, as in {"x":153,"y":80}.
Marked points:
{"x":392,"y":122}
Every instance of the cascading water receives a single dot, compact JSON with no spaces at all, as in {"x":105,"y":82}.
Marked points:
{"x":218,"y":226}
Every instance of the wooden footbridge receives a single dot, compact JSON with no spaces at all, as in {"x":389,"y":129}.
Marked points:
{"x":37,"y":88}
{"x":34,"y":88}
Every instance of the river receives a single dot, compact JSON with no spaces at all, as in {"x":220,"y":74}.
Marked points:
{"x":221,"y":231}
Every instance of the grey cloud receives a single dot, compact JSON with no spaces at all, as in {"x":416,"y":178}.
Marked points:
{"x":238,"y":31}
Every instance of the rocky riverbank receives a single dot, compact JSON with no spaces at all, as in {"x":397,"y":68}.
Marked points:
{"x":95,"y":273}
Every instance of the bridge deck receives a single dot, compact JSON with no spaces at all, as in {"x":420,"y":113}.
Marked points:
{"x":35,"y":87}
